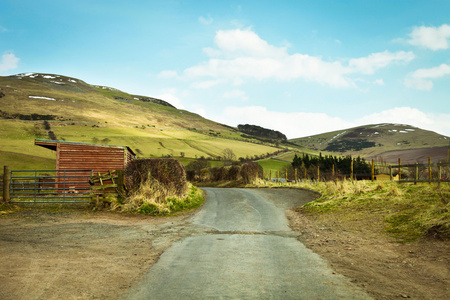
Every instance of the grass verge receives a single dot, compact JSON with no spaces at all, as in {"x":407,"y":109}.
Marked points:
{"x":154,"y":199}
{"x":406,"y":212}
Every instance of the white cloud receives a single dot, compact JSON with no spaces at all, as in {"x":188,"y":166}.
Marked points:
{"x":293,"y":124}
{"x":236,"y":94}
{"x":418,"y":84}
{"x":205,"y":21}
{"x":172,"y":99}
{"x":379,"y":81}
{"x":238,"y":43}
{"x":201,"y":112}
{"x":242,"y":54}
{"x":375,"y":61}
{"x":8,"y":62}
{"x":420,"y":79}
{"x":412,"y":116}
{"x":400,"y":115}
{"x":211,"y":52}
{"x":205,"y":84}
{"x":168,"y":74}
{"x":300,"y":124}
{"x":434,"y":38}
{"x":436,"y":72}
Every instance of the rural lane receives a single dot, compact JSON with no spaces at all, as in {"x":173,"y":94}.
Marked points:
{"x":240,"y":246}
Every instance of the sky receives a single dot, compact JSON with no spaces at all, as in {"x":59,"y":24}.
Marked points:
{"x":299,"y":67}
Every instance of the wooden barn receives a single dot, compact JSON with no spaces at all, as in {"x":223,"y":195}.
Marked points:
{"x":100,"y":159}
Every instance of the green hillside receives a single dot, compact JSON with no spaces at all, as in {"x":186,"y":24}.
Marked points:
{"x":52,"y":106}
{"x":371,"y":140}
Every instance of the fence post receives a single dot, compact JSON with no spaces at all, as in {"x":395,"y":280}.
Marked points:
{"x":416,"y":176}
{"x":351,"y":170}
{"x":390,"y":173}
{"x":295,"y":175}
{"x":278,"y":176}
{"x":399,"y":169}
{"x":373,"y":170}
{"x":429,"y":170}
{"x":270,"y":175}
{"x":440,"y":176}
{"x":6,"y":183}
{"x":446,"y":168}
{"x":120,"y":183}
{"x":318,"y":173}
{"x":285,"y":175}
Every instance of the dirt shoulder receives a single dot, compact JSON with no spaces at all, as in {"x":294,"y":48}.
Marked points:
{"x":73,"y":254}
{"x":385,"y":268}
{"x":76,"y":254}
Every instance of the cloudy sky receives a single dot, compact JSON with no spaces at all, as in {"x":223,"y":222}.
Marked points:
{"x":300,"y":67}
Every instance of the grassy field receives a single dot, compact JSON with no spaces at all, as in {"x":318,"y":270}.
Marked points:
{"x":406,"y":212}
{"x":79,"y":112}
{"x":280,"y":162}
{"x":19,"y":151}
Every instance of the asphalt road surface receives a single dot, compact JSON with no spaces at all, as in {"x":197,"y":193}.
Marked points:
{"x":241,"y":247}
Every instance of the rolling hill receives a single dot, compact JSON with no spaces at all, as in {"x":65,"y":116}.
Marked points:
{"x":380,"y":140}
{"x":49,"y":106}
{"x":35,"y":105}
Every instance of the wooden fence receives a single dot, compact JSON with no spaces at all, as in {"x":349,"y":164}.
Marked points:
{"x":59,"y":188}
{"x":437,"y":172}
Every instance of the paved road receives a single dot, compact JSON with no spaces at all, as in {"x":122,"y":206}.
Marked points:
{"x":241,"y":247}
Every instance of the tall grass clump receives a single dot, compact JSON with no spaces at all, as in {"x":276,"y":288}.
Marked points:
{"x":158,"y":187}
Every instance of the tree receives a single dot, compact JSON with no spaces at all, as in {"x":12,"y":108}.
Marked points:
{"x":228,"y":154}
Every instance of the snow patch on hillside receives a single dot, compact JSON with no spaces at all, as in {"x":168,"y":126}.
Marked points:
{"x":40,"y":97}
{"x":334,"y":137}
{"x":36,"y":75}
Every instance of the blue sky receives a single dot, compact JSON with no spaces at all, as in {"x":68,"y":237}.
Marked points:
{"x":300,"y":67}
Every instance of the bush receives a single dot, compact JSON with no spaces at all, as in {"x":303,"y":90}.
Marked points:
{"x":218,"y":173}
{"x":249,"y":171}
{"x":158,"y":187}
{"x":233,"y":172}
{"x":169,"y":173}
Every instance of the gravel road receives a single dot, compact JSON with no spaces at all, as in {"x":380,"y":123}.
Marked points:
{"x":240,"y":246}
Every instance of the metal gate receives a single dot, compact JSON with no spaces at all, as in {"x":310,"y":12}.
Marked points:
{"x":50,"y":186}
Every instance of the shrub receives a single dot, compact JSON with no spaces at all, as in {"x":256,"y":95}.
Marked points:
{"x":249,"y":171}
{"x":233,"y":172}
{"x":158,"y":186}
{"x":218,"y":173}
{"x":169,"y":173}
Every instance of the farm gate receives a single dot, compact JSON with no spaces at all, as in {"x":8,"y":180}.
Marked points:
{"x":50,"y":186}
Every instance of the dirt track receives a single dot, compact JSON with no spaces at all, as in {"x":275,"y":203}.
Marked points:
{"x":70,"y":254}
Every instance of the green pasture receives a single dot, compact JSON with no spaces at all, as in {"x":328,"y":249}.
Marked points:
{"x":18,"y":142}
{"x":272,"y":165}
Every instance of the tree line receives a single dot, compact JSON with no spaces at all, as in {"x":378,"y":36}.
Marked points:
{"x":341,"y":165}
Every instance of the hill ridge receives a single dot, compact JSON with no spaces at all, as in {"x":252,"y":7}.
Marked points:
{"x":372,"y":139}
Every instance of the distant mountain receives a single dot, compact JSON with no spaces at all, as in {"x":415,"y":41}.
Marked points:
{"x":373,"y":140}
{"x":37,"y":96}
